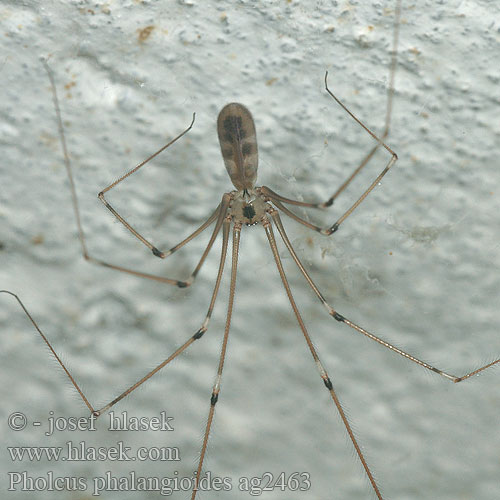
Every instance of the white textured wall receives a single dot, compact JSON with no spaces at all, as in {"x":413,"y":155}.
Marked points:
{"x":417,"y":263}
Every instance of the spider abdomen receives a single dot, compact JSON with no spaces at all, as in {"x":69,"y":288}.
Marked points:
{"x":238,"y":143}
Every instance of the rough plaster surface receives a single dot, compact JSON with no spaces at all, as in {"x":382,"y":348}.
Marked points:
{"x":417,"y":263}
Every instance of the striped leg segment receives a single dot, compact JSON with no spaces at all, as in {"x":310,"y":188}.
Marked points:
{"x":216,"y":387}
{"x":54,"y":353}
{"x":321,"y":369}
{"x":278,"y":200}
{"x":342,"y":319}
{"x":155,"y":251}
{"x":201,"y":331}
{"x":176,"y":353}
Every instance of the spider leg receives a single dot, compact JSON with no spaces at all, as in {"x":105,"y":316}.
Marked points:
{"x":275,"y":197}
{"x":163,"y":279}
{"x":219,"y":213}
{"x":155,"y":250}
{"x":76,"y":209}
{"x":266,"y":191}
{"x":54,"y":353}
{"x":216,"y":387}
{"x":321,"y":369}
{"x":269,"y":193}
{"x":200,"y":332}
{"x":388,"y":113}
{"x":327,"y":231}
{"x":176,"y":353}
{"x":339,"y":317}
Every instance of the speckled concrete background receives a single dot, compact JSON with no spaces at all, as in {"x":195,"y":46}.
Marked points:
{"x":417,"y":263}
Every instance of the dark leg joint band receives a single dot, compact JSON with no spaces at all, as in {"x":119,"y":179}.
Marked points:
{"x":339,"y":317}
{"x":199,"y":334}
{"x":328,"y":384}
{"x":156,"y":252}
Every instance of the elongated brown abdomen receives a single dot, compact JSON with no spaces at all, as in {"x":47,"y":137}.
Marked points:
{"x":238,"y":144}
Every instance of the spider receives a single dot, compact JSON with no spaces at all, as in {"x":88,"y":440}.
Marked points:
{"x":249,"y":205}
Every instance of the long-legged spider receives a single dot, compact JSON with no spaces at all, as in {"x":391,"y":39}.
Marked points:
{"x":272,"y":216}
